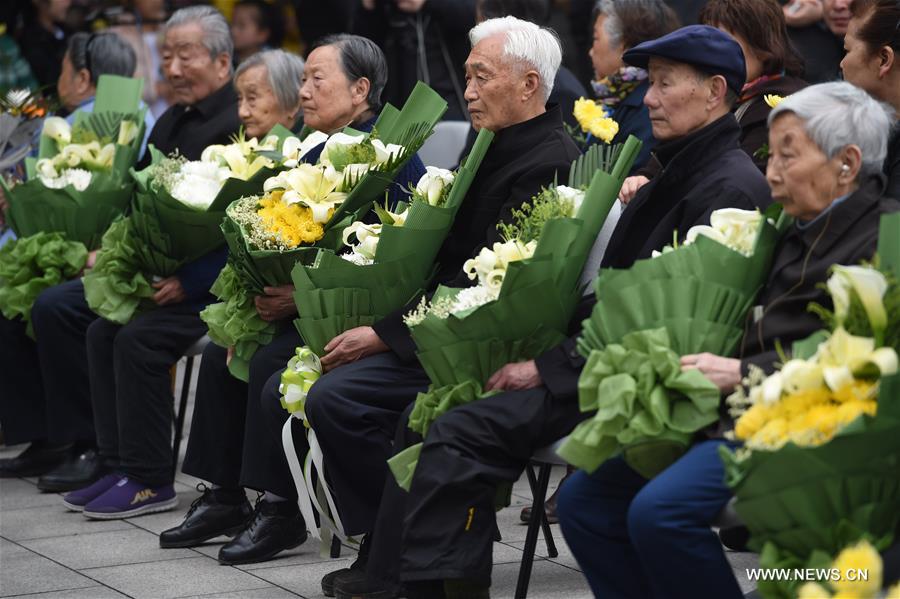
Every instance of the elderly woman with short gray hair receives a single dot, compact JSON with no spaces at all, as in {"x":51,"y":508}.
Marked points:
{"x":827,"y":145}
{"x":268,"y":90}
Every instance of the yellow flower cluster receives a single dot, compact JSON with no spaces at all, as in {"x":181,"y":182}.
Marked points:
{"x":773,"y":100}
{"x":859,"y":572}
{"x":593,"y":119}
{"x":808,"y":418}
{"x":292,"y":223}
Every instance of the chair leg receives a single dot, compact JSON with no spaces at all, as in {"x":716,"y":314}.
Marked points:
{"x":539,"y":493}
{"x":182,"y":408}
{"x":335,"y":547}
{"x":548,"y":534}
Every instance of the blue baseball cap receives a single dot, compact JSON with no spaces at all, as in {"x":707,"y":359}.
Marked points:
{"x":701,"y":46}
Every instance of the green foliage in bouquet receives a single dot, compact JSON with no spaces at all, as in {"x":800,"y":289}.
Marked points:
{"x":461,"y":350}
{"x":699,"y":294}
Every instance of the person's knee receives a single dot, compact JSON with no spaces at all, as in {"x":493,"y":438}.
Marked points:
{"x":570,"y":501}
{"x":649,"y":517}
{"x":47,"y":307}
{"x":130,"y":345}
{"x":270,"y":396}
{"x":324,"y":397}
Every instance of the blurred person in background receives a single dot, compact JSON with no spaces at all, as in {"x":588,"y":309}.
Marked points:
{"x":255,"y":25}
{"x":140,"y":25}
{"x":43,"y":39}
{"x":423,"y":41}
{"x":816,"y":29}
{"x":872,"y":43}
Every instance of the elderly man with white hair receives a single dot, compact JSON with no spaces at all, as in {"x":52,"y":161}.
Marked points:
{"x":372,"y":373}
{"x":638,"y":538}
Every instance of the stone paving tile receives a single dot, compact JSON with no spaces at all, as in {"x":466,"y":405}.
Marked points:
{"x":266,"y":592}
{"x":739,"y":563}
{"x":156,"y":523}
{"x":305,"y":581}
{"x":547,"y":580}
{"x":17,"y":493}
{"x":24,"y":571}
{"x":95,"y":592}
{"x":105,"y":549}
{"x":308,"y":553}
{"x":53,"y":521}
{"x":176,"y":578}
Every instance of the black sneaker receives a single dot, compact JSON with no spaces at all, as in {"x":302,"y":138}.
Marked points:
{"x":274,"y":527}
{"x":38,"y":458}
{"x":208,"y":518}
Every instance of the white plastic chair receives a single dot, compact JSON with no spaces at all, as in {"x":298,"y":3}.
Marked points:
{"x":442,"y":149}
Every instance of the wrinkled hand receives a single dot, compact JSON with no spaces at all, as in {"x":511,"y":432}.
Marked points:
{"x":169,"y":291}
{"x":801,"y":13}
{"x":412,"y":6}
{"x":277,"y":303}
{"x":631,"y":186}
{"x":515,"y":377}
{"x":351,"y":346}
{"x":724,"y":373}
{"x":229,"y":355}
{"x":91,"y":260}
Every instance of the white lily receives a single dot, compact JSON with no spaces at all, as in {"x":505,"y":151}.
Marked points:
{"x":58,"y":129}
{"x":367,"y":237}
{"x":433,"y":184}
{"x":844,"y":355}
{"x":731,"y":227}
{"x":76,"y":177}
{"x":199,"y":183}
{"x":128,"y":130}
{"x":574,"y":196}
{"x":309,"y":186}
{"x":293,"y":149}
{"x":46,"y":168}
{"x":488,"y":261}
{"x":337,"y":143}
{"x":870,"y":287}
{"x":384,"y":152}
{"x":801,"y":375}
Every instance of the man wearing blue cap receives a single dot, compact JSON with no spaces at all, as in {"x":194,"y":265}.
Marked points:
{"x":445,"y":525}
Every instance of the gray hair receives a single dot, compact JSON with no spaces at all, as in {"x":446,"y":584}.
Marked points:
{"x":101,"y":54}
{"x":838,"y":114}
{"x":216,"y":34}
{"x":526,"y":42}
{"x":360,"y":57}
{"x":284,"y":72}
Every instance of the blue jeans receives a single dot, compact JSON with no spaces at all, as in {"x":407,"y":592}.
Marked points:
{"x":635,"y":538}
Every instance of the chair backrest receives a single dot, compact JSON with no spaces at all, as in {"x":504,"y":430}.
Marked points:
{"x":445,"y":144}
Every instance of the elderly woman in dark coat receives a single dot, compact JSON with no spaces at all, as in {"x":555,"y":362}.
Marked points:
{"x":636,"y":538}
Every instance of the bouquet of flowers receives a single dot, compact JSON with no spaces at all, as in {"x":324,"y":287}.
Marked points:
{"x":688,"y":299}
{"x":305,"y":211}
{"x":175,"y":218}
{"x":77,"y":186}
{"x":594,"y":122}
{"x":818,"y":467}
{"x":527,"y":288}
{"x":857,"y":571}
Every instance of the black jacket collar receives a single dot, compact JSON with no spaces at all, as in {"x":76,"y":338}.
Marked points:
{"x":722,"y":134}
{"x":520,"y":137}
{"x":221,"y":99}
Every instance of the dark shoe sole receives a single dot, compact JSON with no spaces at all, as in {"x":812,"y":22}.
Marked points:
{"x":328,"y":587}
{"x":367,"y":595}
{"x":27,"y":472}
{"x":199,"y":541}
{"x":261,"y":558}
{"x":61,"y":487}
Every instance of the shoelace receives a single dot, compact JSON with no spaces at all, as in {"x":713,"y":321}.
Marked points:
{"x":196,"y":503}
{"x":256,"y":519}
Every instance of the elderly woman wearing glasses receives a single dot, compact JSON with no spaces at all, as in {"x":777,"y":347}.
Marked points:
{"x":635,"y":538}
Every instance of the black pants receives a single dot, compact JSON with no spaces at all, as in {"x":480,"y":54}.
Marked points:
{"x":449,"y":523}
{"x":354,"y":411}
{"x":223,"y":406}
{"x":44,"y":390}
{"x":131,"y":387}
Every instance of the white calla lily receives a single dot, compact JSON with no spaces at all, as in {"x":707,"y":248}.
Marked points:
{"x":294,"y":149}
{"x":58,"y":129}
{"x":432,"y":185}
{"x":574,"y":196}
{"x":772,"y":388}
{"x":46,"y":168}
{"x":128,"y":130}
{"x":732,"y":227}
{"x":384,"y":152}
{"x":870,"y":287}
{"x":844,"y":355}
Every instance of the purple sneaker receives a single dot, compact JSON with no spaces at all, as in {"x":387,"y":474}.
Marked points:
{"x":76,"y":500}
{"x":129,"y":498}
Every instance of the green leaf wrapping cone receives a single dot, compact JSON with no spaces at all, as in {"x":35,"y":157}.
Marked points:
{"x":234,"y":321}
{"x":698,"y":295}
{"x":536,"y":301}
{"x":57,"y":227}
{"x":159,"y":236}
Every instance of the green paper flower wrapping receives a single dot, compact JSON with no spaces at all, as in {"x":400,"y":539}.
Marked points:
{"x":533,"y":303}
{"x":686,"y":300}
{"x":31,"y":264}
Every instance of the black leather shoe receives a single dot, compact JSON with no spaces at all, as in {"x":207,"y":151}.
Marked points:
{"x":78,"y":470}
{"x":207,"y":519}
{"x":274,"y":527}
{"x":353,"y":584}
{"x":38,"y":458}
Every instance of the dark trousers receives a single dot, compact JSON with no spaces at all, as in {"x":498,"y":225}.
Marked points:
{"x":44,"y":390}
{"x":354,"y":411}
{"x":131,"y":387}
{"x":223,"y":406}
{"x":450,"y":522}
{"x":635,"y":538}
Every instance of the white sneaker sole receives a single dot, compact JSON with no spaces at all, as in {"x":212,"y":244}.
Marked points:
{"x":72,"y":507}
{"x":139,"y":511}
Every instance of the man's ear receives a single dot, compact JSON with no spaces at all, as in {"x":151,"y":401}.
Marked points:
{"x":718,"y":90}
{"x":531,"y":86}
{"x":83,"y":83}
{"x":888,"y":59}
{"x":222,"y":65}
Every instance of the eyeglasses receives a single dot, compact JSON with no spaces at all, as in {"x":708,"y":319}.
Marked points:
{"x":87,"y":55}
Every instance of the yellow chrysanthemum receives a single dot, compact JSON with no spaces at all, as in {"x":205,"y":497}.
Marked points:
{"x":893,"y":592}
{"x":858,"y":390}
{"x":593,"y":119}
{"x":856,"y":562}
{"x":773,"y":435}
{"x":292,"y":223}
{"x":812,"y":590}
{"x":751,"y":421}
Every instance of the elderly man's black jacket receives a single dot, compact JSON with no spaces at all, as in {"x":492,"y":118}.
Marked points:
{"x":521,"y":159}
{"x":702,"y":172}
{"x":845,"y":234}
